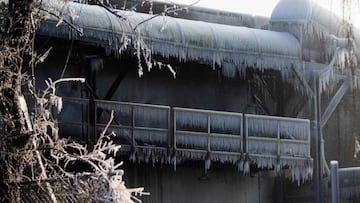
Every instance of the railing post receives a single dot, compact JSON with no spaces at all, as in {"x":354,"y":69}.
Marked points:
{"x":169,"y":126}
{"x":209,"y":132}
{"x":132,"y":125}
{"x":174,"y":128}
{"x":245,"y":133}
{"x":95,"y":118}
{"x":174,"y":133}
{"x":278,"y":138}
{"x":278,"y":167}
{"x":241,"y":133}
{"x":334,"y":182}
{"x":89,"y":126}
{"x":309,"y":140}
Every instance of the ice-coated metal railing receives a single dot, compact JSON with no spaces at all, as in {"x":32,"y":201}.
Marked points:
{"x":277,"y":136}
{"x":140,"y":123}
{"x":74,"y":119}
{"x":163,"y":133}
{"x":214,"y":135}
{"x":349,"y":183}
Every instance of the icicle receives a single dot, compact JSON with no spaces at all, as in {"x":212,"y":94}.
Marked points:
{"x":225,"y":144}
{"x":169,"y":155}
{"x":226,"y":124}
{"x":132,"y":156}
{"x":240,"y":163}
{"x":340,"y":59}
{"x":294,"y":129}
{"x":192,"y":154}
{"x":191,"y":141}
{"x":234,"y":48}
{"x":151,"y":116}
{"x":122,"y":112}
{"x":278,"y":165}
{"x":262,"y":126}
{"x":162,"y":160}
{"x":173,"y":161}
{"x":151,"y":137}
{"x":186,"y":120}
{"x":226,"y":157}
{"x":246,"y":166}
{"x":300,"y":169}
{"x":207,"y":162}
{"x":294,"y":149}
{"x":262,"y":147}
{"x":147,"y":156}
{"x":153,"y":159}
{"x":264,"y":162}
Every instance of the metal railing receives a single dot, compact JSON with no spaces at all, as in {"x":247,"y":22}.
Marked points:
{"x":277,"y":136}
{"x":74,"y":119}
{"x":208,"y":131}
{"x":138,"y":124}
{"x":349,"y":183}
{"x":195,"y":132}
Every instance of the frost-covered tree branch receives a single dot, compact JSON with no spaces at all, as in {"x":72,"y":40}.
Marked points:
{"x":133,"y":40}
{"x":31,"y":150}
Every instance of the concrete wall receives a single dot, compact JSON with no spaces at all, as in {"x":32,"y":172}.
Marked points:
{"x":222,"y":184}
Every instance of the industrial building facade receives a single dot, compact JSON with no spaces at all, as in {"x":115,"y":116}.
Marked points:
{"x":208,"y":111}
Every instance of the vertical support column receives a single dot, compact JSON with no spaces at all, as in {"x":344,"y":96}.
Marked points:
{"x":315,"y":133}
{"x":94,"y":64}
{"x":334,"y":182}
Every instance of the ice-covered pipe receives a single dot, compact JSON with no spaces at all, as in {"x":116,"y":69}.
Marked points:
{"x":314,"y":26}
{"x":231,"y":47}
